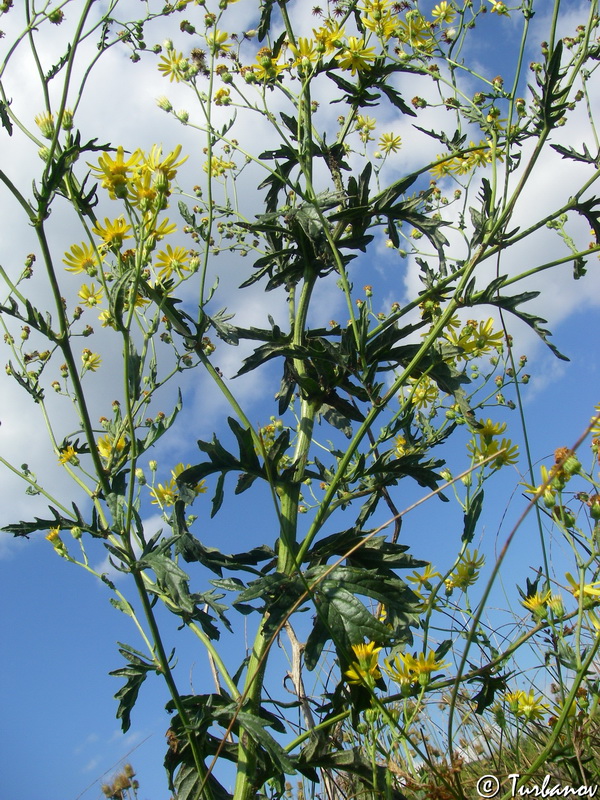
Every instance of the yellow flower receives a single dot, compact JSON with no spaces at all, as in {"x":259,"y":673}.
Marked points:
{"x":595,"y":429}
{"x":167,"y":494}
{"x":424,"y":392}
{"x":81,"y":259}
{"x":107,"y":320}
{"x":499,"y":8}
{"x":218,"y":166}
{"x":91,"y":361}
{"x":266,"y":68}
{"x":444,"y":166}
{"x":536,"y":603}
{"x":425,"y":665}
{"x":480,"y":157}
{"x":488,"y":429}
{"x":443,"y":12}
{"x":107,"y":446}
{"x":164,"y":495}
{"x":416,"y":32}
{"x":45,"y":122}
{"x":589,"y":589}
{"x":476,"y":338}
{"x":53,"y":534}
{"x":593,"y":617}
{"x":466,"y":572}
{"x":113,"y":233}
{"x":407,"y":670}
{"x":512,"y":700}
{"x":56,"y":542}
{"x":355,"y":56}
{"x":304,"y":52}
{"x":505,"y":452}
{"x":530,"y":707}
{"x":222,"y":96}
{"x":164,"y":229}
{"x":216,"y":39}
{"x":329,"y":37}
{"x":90,"y":296}
{"x":142,"y":191}
{"x":390,"y":143}
{"x":163,"y":170}
{"x":508,"y":453}
{"x":174,"y":66}
{"x":115,"y":172}
{"x":400,"y":446}
{"x":68,"y":454}
{"x":425,"y":578}
{"x":173,"y":260}
{"x":365,"y":123}
{"x":365,"y":670}
{"x":400,"y":668}
{"x":382,"y":23}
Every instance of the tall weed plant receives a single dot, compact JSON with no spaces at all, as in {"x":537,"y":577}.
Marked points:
{"x":362,"y":150}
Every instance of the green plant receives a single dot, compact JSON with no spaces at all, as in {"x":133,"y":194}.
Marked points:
{"x":362,"y":405}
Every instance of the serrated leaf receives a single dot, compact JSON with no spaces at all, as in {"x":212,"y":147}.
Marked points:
{"x":256,"y":728}
{"x":373,"y":780}
{"x":570,"y":152}
{"x":337,"y":420}
{"x":490,"y":685}
{"x":5,"y":118}
{"x":471,"y":516}
{"x":170,"y":578}
{"x":510,"y":303}
{"x":136,"y":673}
{"x":122,"y":605}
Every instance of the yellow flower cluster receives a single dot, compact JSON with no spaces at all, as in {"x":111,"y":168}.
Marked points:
{"x":479,"y":155}
{"x":165,"y":495}
{"x":142,"y":181}
{"x":526,"y":705}
{"x":466,"y":572}
{"x":485,"y":445}
{"x":364,"y":671}
{"x":141,"y":178}
{"x":475,"y":339}
{"x":410,"y":671}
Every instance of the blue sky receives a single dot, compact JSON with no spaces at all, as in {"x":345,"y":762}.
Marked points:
{"x":59,"y":631}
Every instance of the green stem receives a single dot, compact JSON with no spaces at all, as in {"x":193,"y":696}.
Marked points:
{"x":64,"y":343}
{"x":163,"y":665}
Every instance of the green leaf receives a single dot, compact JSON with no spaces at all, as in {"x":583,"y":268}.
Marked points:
{"x":510,"y":303}
{"x":135,"y":672}
{"x":373,"y":780}
{"x":589,"y":210}
{"x":122,"y":605}
{"x":187,"y":785}
{"x":5,"y":118}
{"x":343,"y":618}
{"x":23,"y":528}
{"x":471,"y":516}
{"x":56,"y":68}
{"x":490,"y":685}
{"x":256,"y":728}
{"x":264,"y":26}
{"x":337,"y":420}
{"x":375,"y":553}
{"x":193,"y":550}
{"x":570,"y":152}
{"x":218,"y":496}
{"x":170,"y":578}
